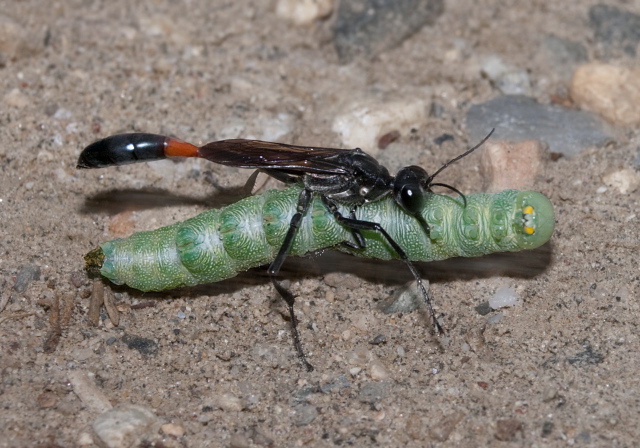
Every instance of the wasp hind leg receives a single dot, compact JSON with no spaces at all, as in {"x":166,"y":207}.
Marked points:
{"x":358,"y":243}
{"x":356,"y":225}
{"x":303,"y":206}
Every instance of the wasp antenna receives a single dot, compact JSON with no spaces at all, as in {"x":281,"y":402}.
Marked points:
{"x":464,"y":198}
{"x":464,"y":154}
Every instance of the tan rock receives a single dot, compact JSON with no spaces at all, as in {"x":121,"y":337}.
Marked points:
{"x":609,"y":90}
{"x":511,"y":165}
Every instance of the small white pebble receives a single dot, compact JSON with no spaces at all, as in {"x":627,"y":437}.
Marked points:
{"x":378,"y":371}
{"x":330,"y":296}
{"x":84,"y":439}
{"x":379,"y":416}
{"x":229,"y":402}
{"x":359,"y":356}
{"x":303,"y":12}
{"x":364,"y":322}
{"x":172,"y":429}
{"x":364,"y":122}
{"x":92,"y":397}
{"x":123,"y":423}
{"x":625,"y":181}
{"x":17,"y":99}
{"x":505,"y":296}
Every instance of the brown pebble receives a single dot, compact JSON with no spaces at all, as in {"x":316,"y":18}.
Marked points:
{"x":110,"y":306}
{"x":16,"y":41}
{"x":442,"y":429}
{"x":172,"y":429}
{"x":47,"y":400}
{"x":15,"y":98}
{"x":414,"y":426}
{"x":97,"y":299}
{"x":122,"y":224}
{"x":337,"y":279}
{"x":239,"y":441}
{"x":506,"y":430}
{"x":77,"y":279}
{"x":388,"y":138}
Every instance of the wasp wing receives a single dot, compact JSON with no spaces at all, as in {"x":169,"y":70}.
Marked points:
{"x":277,"y":156}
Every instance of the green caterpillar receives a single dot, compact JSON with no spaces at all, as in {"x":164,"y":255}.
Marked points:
{"x":220,"y":243}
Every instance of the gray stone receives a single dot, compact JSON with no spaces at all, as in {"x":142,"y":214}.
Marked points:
{"x":143,"y":345}
{"x":508,"y":79}
{"x":405,"y":300}
{"x":338,"y":383}
{"x":564,"y":55}
{"x":483,"y":309}
{"x":26,"y":275}
{"x":125,"y":425}
{"x":305,"y":415}
{"x":373,"y":392}
{"x":519,"y":118}
{"x":547,"y":429}
{"x":615,"y":29}
{"x":369,"y":27}
{"x":586,"y":357}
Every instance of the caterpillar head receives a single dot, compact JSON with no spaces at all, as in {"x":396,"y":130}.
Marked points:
{"x":534,"y":221}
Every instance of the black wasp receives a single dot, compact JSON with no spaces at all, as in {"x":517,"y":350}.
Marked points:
{"x":349,"y":177}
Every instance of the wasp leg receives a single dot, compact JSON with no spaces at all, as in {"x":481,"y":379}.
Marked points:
{"x":250,"y":184}
{"x":240,"y":192}
{"x":251,"y":181}
{"x":360,"y":243}
{"x":356,"y":224}
{"x":303,"y":206}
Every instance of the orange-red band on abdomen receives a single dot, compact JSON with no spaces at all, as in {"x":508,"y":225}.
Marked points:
{"x":178,"y":148}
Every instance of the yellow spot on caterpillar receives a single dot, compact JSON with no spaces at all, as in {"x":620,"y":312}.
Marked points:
{"x":528,"y":212}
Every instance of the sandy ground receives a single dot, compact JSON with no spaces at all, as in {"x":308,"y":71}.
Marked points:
{"x":558,"y":369}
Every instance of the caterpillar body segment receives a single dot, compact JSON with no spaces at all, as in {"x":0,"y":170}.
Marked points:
{"x":220,"y":243}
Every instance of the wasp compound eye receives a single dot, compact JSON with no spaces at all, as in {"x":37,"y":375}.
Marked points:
{"x":408,"y":188}
{"x":411,"y":198}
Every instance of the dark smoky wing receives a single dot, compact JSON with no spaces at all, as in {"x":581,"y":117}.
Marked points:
{"x":267,"y":155}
